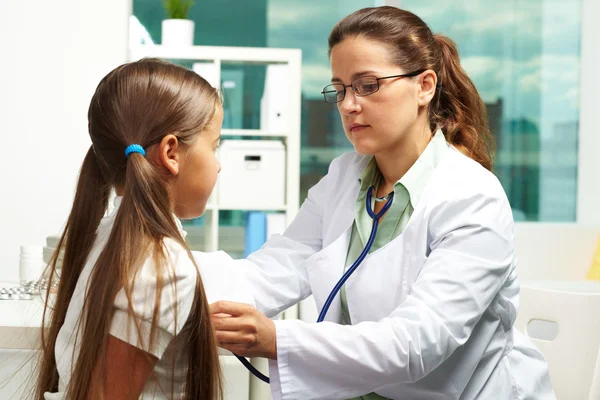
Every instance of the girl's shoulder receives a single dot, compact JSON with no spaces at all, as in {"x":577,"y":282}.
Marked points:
{"x":177,"y":262}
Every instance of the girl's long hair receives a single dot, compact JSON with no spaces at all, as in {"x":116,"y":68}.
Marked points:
{"x":139,"y":103}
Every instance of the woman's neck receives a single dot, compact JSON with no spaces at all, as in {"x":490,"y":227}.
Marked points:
{"x":396,"y":161}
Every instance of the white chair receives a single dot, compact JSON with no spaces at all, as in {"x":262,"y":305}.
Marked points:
{"x":595,"y":390}
{"x":574,"y":306}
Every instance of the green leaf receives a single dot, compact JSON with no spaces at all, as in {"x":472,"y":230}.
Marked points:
{"x":177,"y":9}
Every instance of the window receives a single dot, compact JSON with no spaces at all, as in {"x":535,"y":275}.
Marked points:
{"x":524,"y":58}
{"x":523,"y":55}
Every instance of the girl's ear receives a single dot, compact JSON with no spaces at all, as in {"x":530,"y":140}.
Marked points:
{"x":168,"y":154}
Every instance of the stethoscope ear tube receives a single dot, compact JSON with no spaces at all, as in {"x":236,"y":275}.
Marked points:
{"x":347,"y":274}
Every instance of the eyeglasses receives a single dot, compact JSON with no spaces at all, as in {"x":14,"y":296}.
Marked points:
{"x":363,"y":86}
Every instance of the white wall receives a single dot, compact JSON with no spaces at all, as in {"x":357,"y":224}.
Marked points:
{"x":53,"y":54}
{"x":588,"y":192}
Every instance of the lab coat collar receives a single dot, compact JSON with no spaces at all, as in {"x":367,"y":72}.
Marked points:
{"x":416,"y":178}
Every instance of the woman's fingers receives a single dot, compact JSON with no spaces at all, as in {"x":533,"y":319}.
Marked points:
{"x":225,"y":323}
{"x":243,"y":330}
{"x":236,"y":338}
{"x":237,"y":350}
{"x":231,"y":308}
{"x":237,"y":343}
{"x":243,"y":324}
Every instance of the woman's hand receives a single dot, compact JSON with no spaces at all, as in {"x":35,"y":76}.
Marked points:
{"x":243,"y":330}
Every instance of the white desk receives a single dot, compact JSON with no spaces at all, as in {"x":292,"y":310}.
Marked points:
{"x":20,"y":322}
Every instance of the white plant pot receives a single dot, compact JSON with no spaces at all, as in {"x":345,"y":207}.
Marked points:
{"x":177,"y":32}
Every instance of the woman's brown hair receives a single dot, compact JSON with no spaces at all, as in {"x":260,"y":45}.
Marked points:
{"x":457,"y":108}
{"x":137,"y":103}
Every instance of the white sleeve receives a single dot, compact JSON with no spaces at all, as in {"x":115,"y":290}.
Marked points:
{"x":177,"y":293}
{"x":223,"y":278}
{"x":276,"y":273}
{"x":470,"y":260}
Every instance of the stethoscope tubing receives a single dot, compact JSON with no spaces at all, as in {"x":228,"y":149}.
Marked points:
{"x":376,"y":217}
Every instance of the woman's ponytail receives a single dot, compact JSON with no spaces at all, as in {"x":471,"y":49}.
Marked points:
{"x":458,"y":109}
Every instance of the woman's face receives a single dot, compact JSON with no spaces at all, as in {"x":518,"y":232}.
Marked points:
{"x":385,"y":119}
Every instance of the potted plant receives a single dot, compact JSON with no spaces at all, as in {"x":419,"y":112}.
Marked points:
{"x":177,"y":30}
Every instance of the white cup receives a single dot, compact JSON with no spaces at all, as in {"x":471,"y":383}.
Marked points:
{"x":31,"y":264}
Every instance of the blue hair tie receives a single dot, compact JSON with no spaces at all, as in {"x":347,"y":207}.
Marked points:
{"x":134,"y":148}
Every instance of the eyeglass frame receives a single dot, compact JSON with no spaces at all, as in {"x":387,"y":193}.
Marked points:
{"x":407,"y":75}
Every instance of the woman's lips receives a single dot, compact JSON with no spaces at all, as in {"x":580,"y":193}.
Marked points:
{"x":357,"y":127}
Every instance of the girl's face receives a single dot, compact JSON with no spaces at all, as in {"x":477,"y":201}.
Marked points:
{"x":198,"y":171}
{"x":385,"y":119}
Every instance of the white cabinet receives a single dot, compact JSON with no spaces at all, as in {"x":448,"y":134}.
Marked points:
{"x":254,"y":172}
{"x":280,"y":105}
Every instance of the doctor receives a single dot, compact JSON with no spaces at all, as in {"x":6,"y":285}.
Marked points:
{"x":429,"y":313}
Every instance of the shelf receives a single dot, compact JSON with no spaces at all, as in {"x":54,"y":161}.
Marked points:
{"x":213,"y":207}
{"x":243,"y":55}
{"x":250,"y":132}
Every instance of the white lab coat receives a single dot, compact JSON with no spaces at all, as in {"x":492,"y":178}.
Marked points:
{"x":432,"y":312}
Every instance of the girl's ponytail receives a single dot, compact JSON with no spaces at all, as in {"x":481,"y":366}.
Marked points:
{"x":89,"y":206}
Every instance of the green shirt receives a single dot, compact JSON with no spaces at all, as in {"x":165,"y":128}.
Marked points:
{"x":407,"y":192}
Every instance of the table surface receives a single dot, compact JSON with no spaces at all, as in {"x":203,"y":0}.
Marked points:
{"x":20,"y":313}
{"x":20,"y":322}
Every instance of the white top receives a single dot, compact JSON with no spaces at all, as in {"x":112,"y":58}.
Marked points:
{"x":432,"y":311}
{"x":170,"y":349}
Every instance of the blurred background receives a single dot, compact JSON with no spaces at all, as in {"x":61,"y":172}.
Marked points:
{"x":528,"y":59}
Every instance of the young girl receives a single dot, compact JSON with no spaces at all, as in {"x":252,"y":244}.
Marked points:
{"x":130,"y":319}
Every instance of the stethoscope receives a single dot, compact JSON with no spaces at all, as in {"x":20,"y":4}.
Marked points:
{"x":375,"y":217}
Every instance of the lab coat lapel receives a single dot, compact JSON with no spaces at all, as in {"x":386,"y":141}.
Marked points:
{"x":325,"y":270}
{"x":327,"y":266}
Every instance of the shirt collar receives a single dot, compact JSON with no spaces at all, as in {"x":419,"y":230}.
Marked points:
{"x":416,"y":178}
{"x":418,"y":175}
{"x":368,"y":175}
